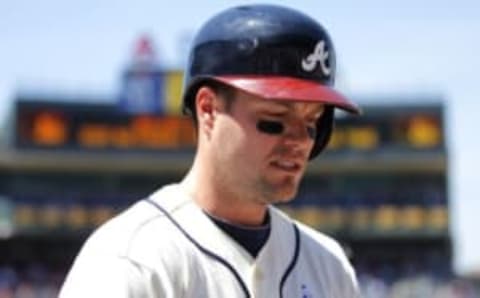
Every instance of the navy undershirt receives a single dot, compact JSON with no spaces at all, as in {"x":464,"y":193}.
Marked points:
{"x":251,"y":238}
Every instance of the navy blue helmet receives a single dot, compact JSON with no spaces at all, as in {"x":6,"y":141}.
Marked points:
{"x":272,"y":52}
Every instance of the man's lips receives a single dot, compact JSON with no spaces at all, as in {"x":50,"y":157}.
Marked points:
{"x":290,"y":166}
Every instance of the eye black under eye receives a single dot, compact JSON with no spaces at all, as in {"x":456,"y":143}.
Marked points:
{"x":270,"y":127}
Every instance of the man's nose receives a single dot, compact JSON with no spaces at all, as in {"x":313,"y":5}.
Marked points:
{"x":297,"y":132}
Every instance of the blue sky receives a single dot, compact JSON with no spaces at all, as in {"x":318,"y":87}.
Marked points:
{"x":383,"y":48}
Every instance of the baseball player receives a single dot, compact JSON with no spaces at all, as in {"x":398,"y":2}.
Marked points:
{"x":258,"y":86}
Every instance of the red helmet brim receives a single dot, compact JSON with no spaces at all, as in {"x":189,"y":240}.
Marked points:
{"x":288,"y":88}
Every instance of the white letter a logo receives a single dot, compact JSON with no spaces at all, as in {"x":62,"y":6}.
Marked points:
{"x":319,"y":55}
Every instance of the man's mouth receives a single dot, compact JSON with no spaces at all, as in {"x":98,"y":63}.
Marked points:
{"x":287,"y":165}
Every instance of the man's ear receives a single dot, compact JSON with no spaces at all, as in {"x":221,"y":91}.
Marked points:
{"x":205,"y":105}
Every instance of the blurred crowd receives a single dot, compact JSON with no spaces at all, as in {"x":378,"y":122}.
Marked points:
{"x":421,"y":285}
{"x":420,"y":276}
{"x":381,"y":221}
{"x":36,"y":281}
{"x":32,"y":281}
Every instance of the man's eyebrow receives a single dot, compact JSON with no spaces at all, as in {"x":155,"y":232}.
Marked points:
{"x":273,"y":107}
{"x":285,"y":106}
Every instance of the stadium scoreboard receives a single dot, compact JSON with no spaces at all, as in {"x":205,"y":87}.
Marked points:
{"x":96,"y":127}
{"x":79,"y":126}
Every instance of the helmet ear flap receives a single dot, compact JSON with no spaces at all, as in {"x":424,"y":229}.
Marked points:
{"x":324,"y":132}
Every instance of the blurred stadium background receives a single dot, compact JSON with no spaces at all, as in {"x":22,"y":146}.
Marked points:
{"x":68,"y":162}
{"x":69,"y":165}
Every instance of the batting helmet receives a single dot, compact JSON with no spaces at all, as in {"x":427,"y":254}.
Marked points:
{"x":272,"y":52}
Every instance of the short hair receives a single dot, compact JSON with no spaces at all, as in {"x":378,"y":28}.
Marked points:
{"x":226,"y":92}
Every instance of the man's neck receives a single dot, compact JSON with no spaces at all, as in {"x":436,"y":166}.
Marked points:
{"x":220,"y":203}
{"x":251,"y":238}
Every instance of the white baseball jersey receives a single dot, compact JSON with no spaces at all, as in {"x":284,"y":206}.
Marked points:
{"x":166,"y":246}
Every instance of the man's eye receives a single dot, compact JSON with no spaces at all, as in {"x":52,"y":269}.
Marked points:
{"x":312,"y":131}
{"x":270,"y":127}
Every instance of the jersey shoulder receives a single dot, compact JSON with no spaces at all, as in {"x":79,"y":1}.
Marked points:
{"x":138,"y":233}
{"x":130,"y":250}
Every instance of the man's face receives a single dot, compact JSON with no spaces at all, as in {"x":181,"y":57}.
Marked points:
{"x":256,"y":160}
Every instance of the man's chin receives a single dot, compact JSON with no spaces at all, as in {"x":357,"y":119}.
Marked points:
{"x":285,"y":194}
{"x":280,"y":190}
{"x":287,"y":197}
